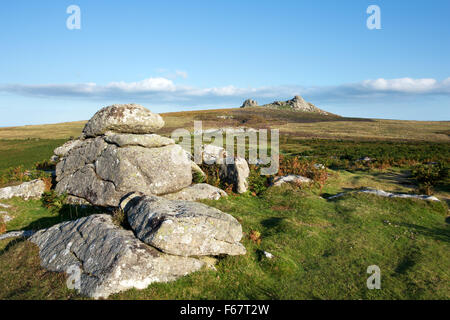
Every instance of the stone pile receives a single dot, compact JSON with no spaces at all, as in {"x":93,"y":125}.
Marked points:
{"x":118,"y":152}
{"x":120,"y":162}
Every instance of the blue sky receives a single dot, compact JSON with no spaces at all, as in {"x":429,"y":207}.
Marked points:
{"x":187,"y":55}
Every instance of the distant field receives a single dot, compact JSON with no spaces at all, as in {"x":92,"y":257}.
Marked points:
{"x":292,"y":123}
{"x":63,"y":130}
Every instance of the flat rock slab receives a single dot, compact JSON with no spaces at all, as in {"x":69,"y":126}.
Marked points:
{"x":385,"y":194}
{"x":107,"y":258}
{"x":26,"y":190}
{"x":183,"y":228}
{"x":196,"y":192}
{"x":143,"y":140}
{"x":123,"y":118}
{"x":17,"y":234}
{"x":61,"y":151}
{"x":292,"y":178}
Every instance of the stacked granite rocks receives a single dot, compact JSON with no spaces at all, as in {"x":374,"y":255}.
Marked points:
{"x":120,"y":162}
{"x":118,"y":152}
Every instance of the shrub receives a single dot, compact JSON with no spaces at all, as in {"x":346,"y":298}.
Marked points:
{"x":120,"y":218}
{"x":302,"y":167}
{"x":197,"y":177}
{"x":2,"y":225}
{"x":257,"y":183}
{"x":427,"y":176}
{"x":52,"y":200}
{"x":48,"y":183}
{"x":20,"y":174}
{"x":212,"y":173}
{"x":255,"y":236}
{"x":45,"y":165}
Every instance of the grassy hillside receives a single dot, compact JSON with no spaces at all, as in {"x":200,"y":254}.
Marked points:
{"x":292,"y":123}
{"x":321,"y":248}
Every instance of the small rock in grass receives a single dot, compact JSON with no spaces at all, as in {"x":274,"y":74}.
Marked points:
{"x":26,"y":190}
{"x":6,"y":218}
{"x":292,"y":178}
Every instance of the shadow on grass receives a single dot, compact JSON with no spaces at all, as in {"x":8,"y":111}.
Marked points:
{"x":402,"y":178}
{"x":435,"y":233}
{"x":12,"y":243}
{"x":272,"y":222}
{"x":66,"y":213}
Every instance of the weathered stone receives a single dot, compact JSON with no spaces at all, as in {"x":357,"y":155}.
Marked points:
{"x":73,"y":200}
{"x":4,"y":205}
{"x":297,"y":104}
{"x":365,"y":159}
{"x":385,"y":194}
{"x":26,"y":190}
{"x":102,"y":173}
{"x":123,"y":118}
{"x":196,"y":169}
{"x":183,"y":228}
{"x":212,"y":154}
{"x":236,"y":171}
{"x":61,"y":151}
{"x":5,"y":216}
{"x":143,"y":140}
{"x":292,"y":178}
{"x":87,"y":152}
{"x":109,"y":259}
{"x":196,"y":192}
{"x":151,"y":171}
{"x":249,"y":103}
{"x":17,"y":234}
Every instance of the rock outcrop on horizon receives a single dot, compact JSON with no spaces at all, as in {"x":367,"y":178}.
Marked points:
{"x":297,"y":104}
{"x":249,"y":103}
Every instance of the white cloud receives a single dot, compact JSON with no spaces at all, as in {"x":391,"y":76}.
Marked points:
{"x":407,"y":85}
{"x":161,"y":90}
{"x":150,"y":84}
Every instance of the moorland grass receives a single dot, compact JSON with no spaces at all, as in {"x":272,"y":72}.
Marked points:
{"x":321,"y":248}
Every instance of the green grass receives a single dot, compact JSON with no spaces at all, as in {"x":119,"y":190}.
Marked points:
{"x":322,"y":248}
{"x":26,"y":152}
{"x":323,"y":149}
